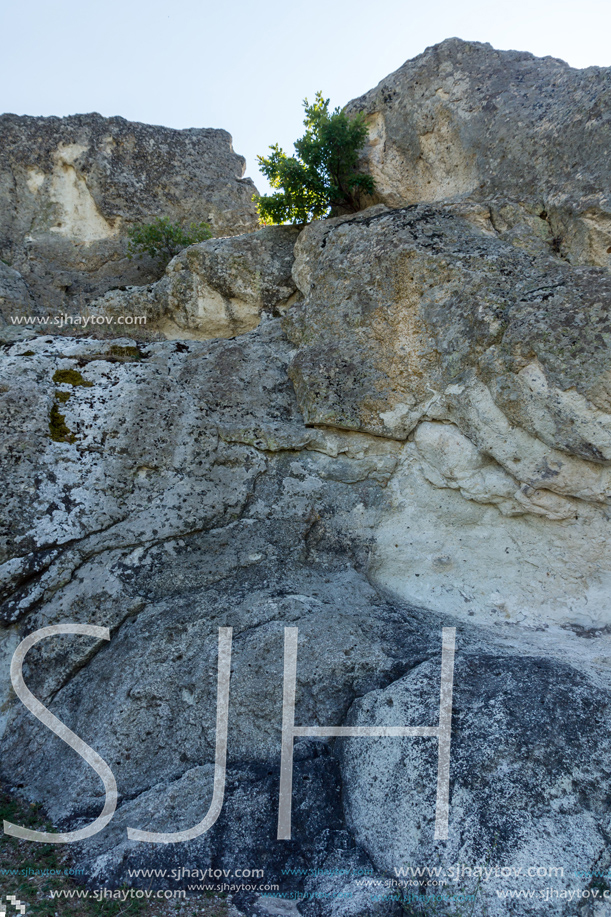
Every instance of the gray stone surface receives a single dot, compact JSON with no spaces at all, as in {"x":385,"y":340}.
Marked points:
{"x":216,"y":289}
{"x":191,"y":495}
{"x":528,"y":136}
{"x":423,"y":439}
{"x":436,"y":304}
{"x":252,"y":508}
{"x":493,"y":364}
{"x":72,"y":186}
{"x":15,"y":299}
{"x":503,"y":745}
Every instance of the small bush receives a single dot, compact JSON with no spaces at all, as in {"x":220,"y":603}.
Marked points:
{"x":162,"y":240}
{"x":322,"y":179}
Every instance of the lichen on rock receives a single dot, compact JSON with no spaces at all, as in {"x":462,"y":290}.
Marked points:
{"x":214,"y":289}
{"x":74,"y":185}
{"x":369,"y":430}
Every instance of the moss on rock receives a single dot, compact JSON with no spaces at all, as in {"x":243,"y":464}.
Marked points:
{"x":69,"y":377}
{"x":58,"y":429}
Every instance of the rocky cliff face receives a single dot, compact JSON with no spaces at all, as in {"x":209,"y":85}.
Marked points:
{"x":527,"y":136}
{"x":411,"y":432}
{"x":494,"y":364}
{"x":71,"y":187}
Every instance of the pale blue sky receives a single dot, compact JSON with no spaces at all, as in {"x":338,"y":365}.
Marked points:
{"x":247,"y":66}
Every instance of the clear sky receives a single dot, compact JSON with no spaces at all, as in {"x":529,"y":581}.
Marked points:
{"x":246,"y":66}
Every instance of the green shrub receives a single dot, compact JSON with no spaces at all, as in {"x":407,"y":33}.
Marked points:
{"x":322,"y":178}
{"x":162,"y":240}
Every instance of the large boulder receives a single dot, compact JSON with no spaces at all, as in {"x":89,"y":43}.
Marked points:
{"x":530,"y":743}
{"x":71,"y":187}
{"x":215,"y":289}
{"x":527,"y":135}
{"x":419,"y":300}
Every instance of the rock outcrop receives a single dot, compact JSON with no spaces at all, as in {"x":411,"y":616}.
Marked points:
{"x":72,"y":186}
{"x":216,"y":289}
{"x":15,"y":297}
{"x":413,"y":433}
{"x":528,"y":136}
{"x":494,"y":364}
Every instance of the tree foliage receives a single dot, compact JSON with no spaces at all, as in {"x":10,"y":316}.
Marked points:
{"x":322,"y":178}
{"x":162,"y":240}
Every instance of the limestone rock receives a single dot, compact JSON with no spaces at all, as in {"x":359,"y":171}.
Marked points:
{"x":216,"y":289}
{"x":521,"y":770}
{"x":407,"y":313}
{"x":493,"y":363}
{"x":228,"y":494}
{"x":423,"y":440}
{"x":529,"y":136}
{"x":72,"y":186}
{"x":15,"y":301}
{"x":188,"y":494}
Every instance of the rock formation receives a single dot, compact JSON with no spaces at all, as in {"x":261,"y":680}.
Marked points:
{"x":527,"y":136}
{"x":495,"y":364}
{"x":413,"y":433}
{"x":71,"y":187}
{"x":218,"y":288}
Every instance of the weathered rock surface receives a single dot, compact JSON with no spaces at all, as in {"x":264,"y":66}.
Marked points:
{"x":72,"y":186}
{"x":528,"y":820}
{"x":437,"y":304}
{"x":255,"y":498}
{"x":495,"y":364}
{"x":216,"y":289}
{"x":528,"y":136}
{"x":189,"y":494}
{"x":15,"y":299}
{"x":422,"y":440}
